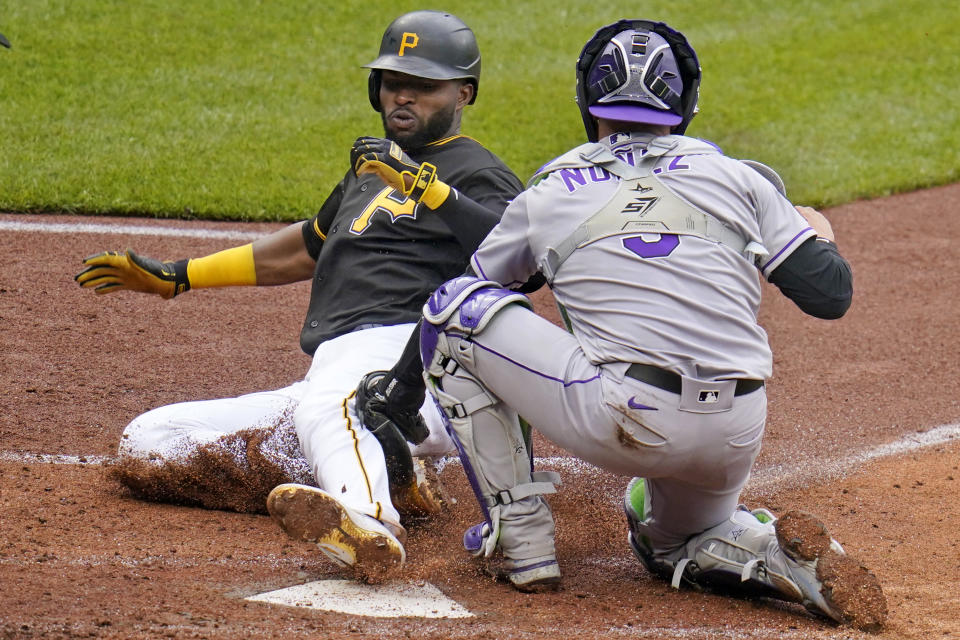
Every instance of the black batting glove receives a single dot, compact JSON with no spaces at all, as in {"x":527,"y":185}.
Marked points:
{"x":384,"y":403}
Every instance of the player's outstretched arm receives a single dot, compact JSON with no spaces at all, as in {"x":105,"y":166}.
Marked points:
{"x":278,"y":258}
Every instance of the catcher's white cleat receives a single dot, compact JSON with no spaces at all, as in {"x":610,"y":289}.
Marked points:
{"x":351,"y":539}
{"x":833,"y":584}
{"x":533,"y":575}
{"x":530,"y":575}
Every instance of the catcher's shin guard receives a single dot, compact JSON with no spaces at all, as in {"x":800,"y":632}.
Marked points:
{"x":488,"y":434}
{"x":518,"y":521}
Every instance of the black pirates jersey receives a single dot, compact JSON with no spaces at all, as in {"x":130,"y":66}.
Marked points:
{"x":380,"y":255}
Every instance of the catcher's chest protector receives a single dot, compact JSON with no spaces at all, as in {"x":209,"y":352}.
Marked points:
{"x":641,"y":204}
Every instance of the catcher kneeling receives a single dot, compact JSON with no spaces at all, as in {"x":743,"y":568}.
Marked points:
{"x":652,"y":242}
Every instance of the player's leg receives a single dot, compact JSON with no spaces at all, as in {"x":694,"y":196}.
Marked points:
{"x":753,"y":553}
{"x":350,"y":516}
{"x":173,"y":432}
{"x":518,"y":522}
{"x":688,"y":527}
{"x":221,"y":454}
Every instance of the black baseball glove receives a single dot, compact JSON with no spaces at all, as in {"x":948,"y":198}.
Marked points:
{"x":383,"y":402}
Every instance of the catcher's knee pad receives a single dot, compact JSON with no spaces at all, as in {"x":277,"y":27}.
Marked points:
{"x":463,"y":306}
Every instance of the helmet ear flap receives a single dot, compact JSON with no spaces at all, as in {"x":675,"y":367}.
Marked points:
{"x":373,"y":89}
{"x":584,"y":62}
{"x":689,"y":67}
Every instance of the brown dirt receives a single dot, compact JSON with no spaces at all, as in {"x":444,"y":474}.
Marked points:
{"x":79,"y":557}
{"x":852,"y":590}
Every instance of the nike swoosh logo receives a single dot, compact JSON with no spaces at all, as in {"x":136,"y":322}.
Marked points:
{"x":633,"y":404}
{"x":469,"y":65}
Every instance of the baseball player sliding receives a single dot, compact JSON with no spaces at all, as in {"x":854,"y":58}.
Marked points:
{"x":652,"y":242}
{"x":406,"y":216}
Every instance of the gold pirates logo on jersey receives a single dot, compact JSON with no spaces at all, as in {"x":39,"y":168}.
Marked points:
{"x":389,"y":201}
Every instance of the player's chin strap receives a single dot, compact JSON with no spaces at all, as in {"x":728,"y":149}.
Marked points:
{"x":487,"y":434}
{"x":642,"y":204}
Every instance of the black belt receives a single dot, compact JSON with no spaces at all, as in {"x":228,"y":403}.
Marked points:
{"x":672,"y":382}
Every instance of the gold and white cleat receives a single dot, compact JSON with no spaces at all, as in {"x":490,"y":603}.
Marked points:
{"x":351,"y":539}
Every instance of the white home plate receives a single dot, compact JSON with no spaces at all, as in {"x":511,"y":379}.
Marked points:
{"x":388,"y":600}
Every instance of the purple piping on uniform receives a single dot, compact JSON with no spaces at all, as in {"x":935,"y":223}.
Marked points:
{"x":464,"y":462}
{"x":786,"y":246}
{"x":483,"y":274}
{"x":476,"y":265}
{"x":524,"y":367}
{"x":712,"y":144}
{"x":530,"y":567}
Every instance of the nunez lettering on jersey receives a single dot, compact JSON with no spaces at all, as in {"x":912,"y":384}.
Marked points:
{"x":574,"y":178}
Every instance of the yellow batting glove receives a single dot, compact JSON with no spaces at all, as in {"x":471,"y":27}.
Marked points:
{"x":112,"y":271}
{"x":387,"y":160}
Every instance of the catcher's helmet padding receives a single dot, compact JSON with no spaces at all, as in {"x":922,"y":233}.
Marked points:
{"x":427,"y":44}
{"x":638,"y":71}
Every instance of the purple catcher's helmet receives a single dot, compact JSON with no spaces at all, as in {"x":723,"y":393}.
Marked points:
{"x":638,"y":71}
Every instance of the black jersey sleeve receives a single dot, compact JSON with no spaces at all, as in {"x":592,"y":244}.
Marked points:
{"x":817,"y":278}
{"x":474,"y":208}
{"x":492,"y":187}
{"x":315,"y":229}
{"x":469,"y":221}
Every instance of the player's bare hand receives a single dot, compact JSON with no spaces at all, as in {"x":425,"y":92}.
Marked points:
{"x":387,"y":160}
{"x":113,"y":271}
{"x":818,"y":221}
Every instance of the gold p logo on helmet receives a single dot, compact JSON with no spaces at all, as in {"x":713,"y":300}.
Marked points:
{"x":409,"y":40}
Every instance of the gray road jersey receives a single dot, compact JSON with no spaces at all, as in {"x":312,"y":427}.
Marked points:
{"x":679,"y":302}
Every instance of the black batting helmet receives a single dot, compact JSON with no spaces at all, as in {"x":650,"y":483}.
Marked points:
{"x":427,"y":44}
{"x":638,"y":71}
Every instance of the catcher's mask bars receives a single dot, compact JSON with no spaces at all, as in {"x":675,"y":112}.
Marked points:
{"x":426,"y":44}
{"x":638,"y":71}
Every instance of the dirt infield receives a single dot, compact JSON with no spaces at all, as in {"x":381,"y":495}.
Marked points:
{"x":864,"y":430}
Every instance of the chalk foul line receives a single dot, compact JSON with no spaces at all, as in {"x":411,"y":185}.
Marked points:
{"x":127,"y":229}
{"x":765,"y":478}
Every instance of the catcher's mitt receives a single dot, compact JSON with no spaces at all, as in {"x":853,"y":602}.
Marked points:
{"x":385,"y":410}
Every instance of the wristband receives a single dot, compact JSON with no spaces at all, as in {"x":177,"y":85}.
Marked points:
{"x":231,"y":267}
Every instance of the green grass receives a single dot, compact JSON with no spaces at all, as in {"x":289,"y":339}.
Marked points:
{"x":238,"y":109}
